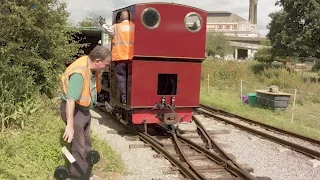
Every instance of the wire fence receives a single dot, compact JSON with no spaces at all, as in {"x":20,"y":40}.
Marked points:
{"x":301,"y":103}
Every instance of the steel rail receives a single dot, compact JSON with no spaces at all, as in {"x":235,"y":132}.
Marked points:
{"x":182,"y":155}
{"x":226,"y":113}
{"x":220,"y":150}
{"x":215,"y":157}
{"x":185,"y":158}
{"x":228,"y":165}
{"x":158,"y":146}
{"x":304,"y":150}
{"x":183,"y":169}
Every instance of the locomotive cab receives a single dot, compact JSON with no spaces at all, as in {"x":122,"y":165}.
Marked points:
{"x":163,"y":76}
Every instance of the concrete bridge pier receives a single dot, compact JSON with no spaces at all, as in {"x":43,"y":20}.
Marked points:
{"x":241,"y":53}
{"x":245,"y":50}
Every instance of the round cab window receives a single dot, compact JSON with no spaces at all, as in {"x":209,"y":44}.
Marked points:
{"x":150,"y":18}
{"x":193,"y":22}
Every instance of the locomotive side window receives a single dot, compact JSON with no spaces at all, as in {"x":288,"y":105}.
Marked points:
{"x":167,"y":84}
{"x":150,"y":18}
{"x":193,"y":22}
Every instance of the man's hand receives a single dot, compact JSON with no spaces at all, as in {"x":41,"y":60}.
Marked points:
{"x":102,"y":20}
{"x":68,"y":133}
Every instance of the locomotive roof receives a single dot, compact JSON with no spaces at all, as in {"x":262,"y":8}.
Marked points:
{"x":161,"y":3}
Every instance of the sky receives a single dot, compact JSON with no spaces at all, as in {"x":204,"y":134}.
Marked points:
{"x":79,"y":9}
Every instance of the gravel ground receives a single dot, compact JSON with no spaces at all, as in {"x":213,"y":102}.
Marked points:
{"x":291,"y":139}
{"x":267,"y":158}
{"x":140,"y":163}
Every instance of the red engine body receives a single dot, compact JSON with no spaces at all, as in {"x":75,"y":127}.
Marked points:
{"x":168,"y":51}
{"x":170,"y":38}
{"x":145,"y":86}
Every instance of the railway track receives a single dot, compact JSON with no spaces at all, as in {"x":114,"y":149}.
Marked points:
{"x":268,"y":132}
{"x":215,"y":163}
{"x":195,"y":161}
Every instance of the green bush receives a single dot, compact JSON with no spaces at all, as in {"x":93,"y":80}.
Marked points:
{"x":264,"y":55}
{"x":217,"y":44}
{"x":34,"y":44}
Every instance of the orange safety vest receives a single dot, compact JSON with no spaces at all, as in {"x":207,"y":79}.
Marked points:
{"x":122,"y":43}
{"x":81,"y":66}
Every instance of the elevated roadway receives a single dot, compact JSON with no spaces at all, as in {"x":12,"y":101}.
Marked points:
{"x":246,"y":47}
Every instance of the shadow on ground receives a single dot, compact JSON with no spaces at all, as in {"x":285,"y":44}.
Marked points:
{"x":110,"y":122}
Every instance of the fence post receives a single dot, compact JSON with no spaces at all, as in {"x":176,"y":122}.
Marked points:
{"x":208,"y":82}
{"x":240,"y":90}
{"x":294,"y":104}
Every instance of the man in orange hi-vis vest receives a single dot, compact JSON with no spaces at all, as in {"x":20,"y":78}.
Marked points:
{"x":122,"y":48}
{"x":80,"y":83}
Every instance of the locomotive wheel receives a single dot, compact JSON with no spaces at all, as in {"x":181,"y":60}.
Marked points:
{"x":61,"y":173}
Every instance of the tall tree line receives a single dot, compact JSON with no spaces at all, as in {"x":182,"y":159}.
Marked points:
{"x":295,"y":30}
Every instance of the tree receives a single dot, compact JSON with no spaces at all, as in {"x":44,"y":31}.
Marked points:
{"x":90,"y":21}
{"x":264,"y":54}
{"x":295,"y":30}
{"x":217,"y":44}
{"x":35,"y":44}
{"x":265,"y":42}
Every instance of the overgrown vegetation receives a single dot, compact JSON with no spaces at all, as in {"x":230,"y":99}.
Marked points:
{"x":35,"y":44}
{"x":224,"y":92}
{"x":217,"y":44}
{"x":264,"y":54}
{"x":35,"y":152}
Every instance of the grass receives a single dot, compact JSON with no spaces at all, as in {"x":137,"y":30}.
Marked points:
{"x":35,"y":151}
{"x":227,"y":100}
{"x":310,"y":74}
{"x":224,"y":93}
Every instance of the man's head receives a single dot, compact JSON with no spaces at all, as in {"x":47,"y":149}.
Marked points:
{"x":100,"y":58}
{"x":124,"y":15}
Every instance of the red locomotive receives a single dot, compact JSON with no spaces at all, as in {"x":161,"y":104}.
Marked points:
{"x":163,"y":79}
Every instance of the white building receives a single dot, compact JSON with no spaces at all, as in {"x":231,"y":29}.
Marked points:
{"x":231,"y":24}
{"x":242,"y":31}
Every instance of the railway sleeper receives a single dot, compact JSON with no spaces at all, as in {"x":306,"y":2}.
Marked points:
{"x":193,"y":156}
{"x":134,"y":146}
{"x":238,"y":178}
{"x":183,"y":132}
{"x":214,"y":168}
